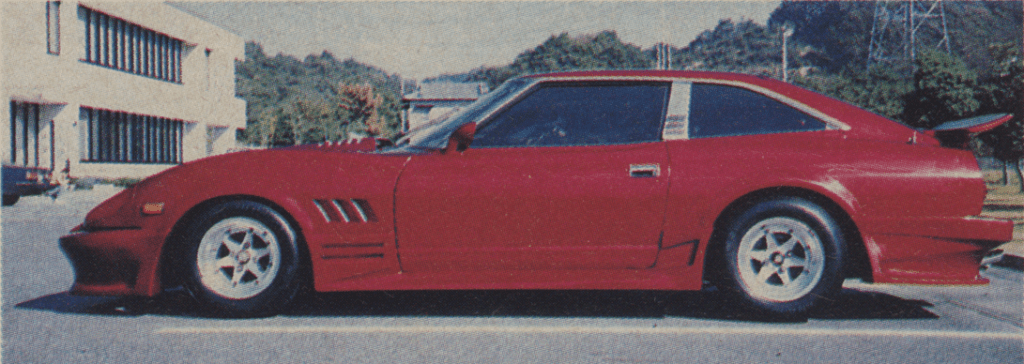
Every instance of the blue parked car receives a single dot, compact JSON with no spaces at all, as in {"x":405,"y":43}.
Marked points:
{"x":25,"y":181}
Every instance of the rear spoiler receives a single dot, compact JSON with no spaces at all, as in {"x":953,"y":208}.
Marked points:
{"x":957,"y":133}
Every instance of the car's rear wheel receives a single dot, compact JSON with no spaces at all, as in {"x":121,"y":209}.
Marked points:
{"x":241,"y":259}
{"x":783,"y":256}
{"x":9,"y":200}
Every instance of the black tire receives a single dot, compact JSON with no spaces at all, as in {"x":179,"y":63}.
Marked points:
{"x":9,"y":200}
{"x":231,"y":247}
{"x":782,"y":257}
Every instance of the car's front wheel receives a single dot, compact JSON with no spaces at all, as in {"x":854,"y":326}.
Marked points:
{"x":784,"y":256}
{"x":241,"y":259}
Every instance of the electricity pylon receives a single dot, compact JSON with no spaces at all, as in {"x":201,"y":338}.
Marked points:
{"x":901,"y":28}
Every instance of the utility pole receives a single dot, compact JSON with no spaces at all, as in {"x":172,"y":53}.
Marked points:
{"x":787,"y":31}
{"x":900,"y":28}
{"x":663,"y":55}
{"x":403,"y":116}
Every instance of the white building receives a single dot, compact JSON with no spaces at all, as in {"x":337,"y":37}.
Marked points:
{"x":115,"y":89}
{"x":434,"y":99}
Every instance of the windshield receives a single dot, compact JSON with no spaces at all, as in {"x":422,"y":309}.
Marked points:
{"x":434,"y":134}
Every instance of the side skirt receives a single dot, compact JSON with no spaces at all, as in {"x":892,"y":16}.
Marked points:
{"x":633,"y":279}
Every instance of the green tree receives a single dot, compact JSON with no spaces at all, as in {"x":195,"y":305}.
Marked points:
{"x":562,"y":52}
{"x":745,"y":47}
{"x":294,"y":102}
{"x":361,"y":104}
{"x":882,"y":91}
{"x":944,"y":90}
{"x":1003,"y":93}
{"x":840,"y":29}
{"x":733,"y":47}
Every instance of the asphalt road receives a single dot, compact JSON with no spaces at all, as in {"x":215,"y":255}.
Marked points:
{"x":869,"y":323}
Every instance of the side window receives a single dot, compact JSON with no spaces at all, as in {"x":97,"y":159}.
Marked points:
{"x":718,"y":110}
{"x":562,"y":114}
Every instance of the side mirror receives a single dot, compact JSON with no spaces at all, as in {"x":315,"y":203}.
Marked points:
{"x":461,"y":138}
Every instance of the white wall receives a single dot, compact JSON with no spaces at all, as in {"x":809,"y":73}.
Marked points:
{"x":205,"y":97}
{"x":417,"y":116}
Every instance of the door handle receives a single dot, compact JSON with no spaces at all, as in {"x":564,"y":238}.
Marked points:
{"x":644,"y":170}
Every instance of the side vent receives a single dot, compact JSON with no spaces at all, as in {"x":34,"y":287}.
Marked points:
{"x":353,"y":251}
{"x":341,"y":210}
{"x":346,"y":210}
{"x":320,"y":206}
{"x":364,"y":210}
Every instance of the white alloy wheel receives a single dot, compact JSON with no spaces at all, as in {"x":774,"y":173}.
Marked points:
{"x":238,"y":258}
{"x":780,"y":259}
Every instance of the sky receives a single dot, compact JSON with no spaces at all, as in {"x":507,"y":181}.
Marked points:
{"x":423,"y":39}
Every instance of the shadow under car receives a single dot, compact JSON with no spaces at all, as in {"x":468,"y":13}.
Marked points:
{"x":852,"y":304}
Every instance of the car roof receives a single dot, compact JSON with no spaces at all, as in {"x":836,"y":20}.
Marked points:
{"x":646,"y":74}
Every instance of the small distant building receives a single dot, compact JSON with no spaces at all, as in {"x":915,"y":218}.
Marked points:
{"x":115,"y":89}
{"x":434,"y":99}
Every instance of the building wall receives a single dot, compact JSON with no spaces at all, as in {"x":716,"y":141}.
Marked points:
{"x":420,"y":112}
{"x":64,"y":83}
{"x":435,"y":99}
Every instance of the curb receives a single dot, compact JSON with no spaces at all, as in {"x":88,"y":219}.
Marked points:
{"x":1011,"y":261}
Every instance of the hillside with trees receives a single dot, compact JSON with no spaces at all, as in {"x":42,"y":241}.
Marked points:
{"x":314,"y":100}
{"x":322,"y":98}
{"x":563,"y":52}
{"x":842,"y":29}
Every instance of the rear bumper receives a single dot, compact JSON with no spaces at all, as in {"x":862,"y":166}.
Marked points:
{"x":937,"y":250}
{"x":114,"y":262}
{"x":25,"y":181}
{"x":27,"y":188}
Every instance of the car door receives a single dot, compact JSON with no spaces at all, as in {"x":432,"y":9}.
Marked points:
{"x":570,"y":176}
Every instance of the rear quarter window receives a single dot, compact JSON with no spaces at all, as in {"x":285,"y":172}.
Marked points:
{"x":718,"y":110}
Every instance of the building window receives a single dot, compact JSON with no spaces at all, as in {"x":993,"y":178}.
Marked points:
{"x":115,"y":136}
{"x":24,"y":134}
{"x":116,"y":43}
{"x":53,"y":27}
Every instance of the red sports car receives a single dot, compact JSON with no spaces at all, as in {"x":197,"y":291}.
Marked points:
{"x":639,"y":180}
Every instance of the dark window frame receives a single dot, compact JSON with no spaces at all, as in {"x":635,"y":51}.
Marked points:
{"x":116,"y":43}
{"x":25,"y":129}
{"x":122,"y":137}
{"x":53,"y":27}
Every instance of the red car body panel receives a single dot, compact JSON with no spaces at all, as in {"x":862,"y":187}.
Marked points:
{"x":540,"y":208}
{"x":337,"y":250}
{"x":563,"y":217}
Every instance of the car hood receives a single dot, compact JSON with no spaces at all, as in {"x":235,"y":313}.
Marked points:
{"x":271,"y":174}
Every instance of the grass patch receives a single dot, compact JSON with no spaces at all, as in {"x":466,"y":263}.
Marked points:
{"x":87,"y":183}
{"x":81,"y":183}
{"x":125,"y":182}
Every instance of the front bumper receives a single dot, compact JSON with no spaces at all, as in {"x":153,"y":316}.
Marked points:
{"x":937,"y":250}
{"x":122,"y":262}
